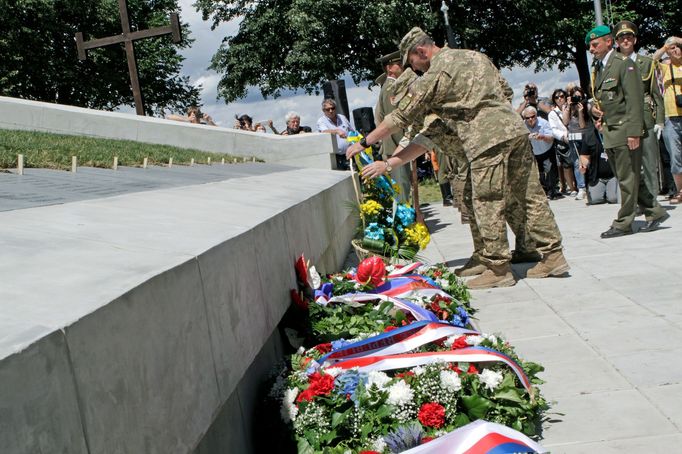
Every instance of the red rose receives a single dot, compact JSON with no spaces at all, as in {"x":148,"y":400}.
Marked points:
{"x":472,"y":369}
{"x":371,"y":271}
{"x":460,"y":342}
{"x":324,"y":348}
{"x":432,"y":415}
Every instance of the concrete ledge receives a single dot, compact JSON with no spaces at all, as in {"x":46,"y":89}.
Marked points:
{"x":314,"y":150}
{"x":144,"y":320}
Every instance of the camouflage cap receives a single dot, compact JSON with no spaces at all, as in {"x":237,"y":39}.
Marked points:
{"x":403,"y":82}
{"x":409,"y":40}
{"x":625,"y":26}
{"x":597,"y":32}
{"x":393,"y":57}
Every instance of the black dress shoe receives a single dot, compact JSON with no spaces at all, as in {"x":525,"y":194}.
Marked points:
{"x":652,"y":225}
{"x":614,"y":232}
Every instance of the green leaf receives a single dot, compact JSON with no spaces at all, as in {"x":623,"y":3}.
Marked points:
{"x":338,"y":418}
{"x":461,"y":420}
{"x":477,"y":406}
{"x":304,"y":447}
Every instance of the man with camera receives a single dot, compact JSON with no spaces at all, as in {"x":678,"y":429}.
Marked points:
{"x":531,"y":99}
{"x":653,"y":111}
{"x":618,"y":97}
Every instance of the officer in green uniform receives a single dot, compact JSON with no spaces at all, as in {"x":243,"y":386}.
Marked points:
{"x":464,"y":88}
{"x":618,"y":96}
{"x":393,"y":68}
{"x":654,"y":110}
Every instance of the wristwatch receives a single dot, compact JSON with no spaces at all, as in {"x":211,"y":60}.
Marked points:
{"x":363,"y":142}
{"x":388,"y":166}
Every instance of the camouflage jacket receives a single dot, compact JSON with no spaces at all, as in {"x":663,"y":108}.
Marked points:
{"x":465,"y":90}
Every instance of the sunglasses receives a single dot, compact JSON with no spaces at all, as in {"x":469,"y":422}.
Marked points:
{"x":560,"y":96}
{"x":529,"y":117}
{"x":329,"y":109}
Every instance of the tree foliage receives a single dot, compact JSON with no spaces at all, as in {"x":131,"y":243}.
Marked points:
{"x":291,"y":44}
{"x":40,"y":61}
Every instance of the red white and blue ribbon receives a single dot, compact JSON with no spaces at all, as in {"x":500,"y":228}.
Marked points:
{"x":413,"y":285}
{"x":400,"y":340}
{"x":358,"y":299}
{"x":407,"y":360}
{"x":405,"y":269}
{"x":480,"y":437}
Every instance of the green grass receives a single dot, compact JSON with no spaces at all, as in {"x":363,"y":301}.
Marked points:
{"x":54,"y":151}
{"x":429,"y":191}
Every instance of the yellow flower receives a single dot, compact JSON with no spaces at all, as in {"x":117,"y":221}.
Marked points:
{"x":418,"y":235}
{"x":371,"y":207}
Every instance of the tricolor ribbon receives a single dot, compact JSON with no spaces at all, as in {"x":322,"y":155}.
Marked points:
{"x":358,"y":299}
{"x":480,"y":437}
{"x":404,"y":269}
{"x":407,"y":360}
{"x":397,"y":341}
{"x":413,"y":285}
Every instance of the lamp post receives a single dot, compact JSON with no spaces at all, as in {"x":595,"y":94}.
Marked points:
{"x":451,"y":38}
{"x":597,"y":12}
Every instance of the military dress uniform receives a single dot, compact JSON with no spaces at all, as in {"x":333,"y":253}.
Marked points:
{"x":401,"y":175}
{"x":653,"y":111}
{"x":463,"y":88}
{"x":617,"y":89}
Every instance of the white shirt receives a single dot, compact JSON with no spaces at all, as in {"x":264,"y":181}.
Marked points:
{"x":559,"y":130}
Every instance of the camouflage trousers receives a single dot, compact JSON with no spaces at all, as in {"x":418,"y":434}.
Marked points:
{"x":502,"y":188}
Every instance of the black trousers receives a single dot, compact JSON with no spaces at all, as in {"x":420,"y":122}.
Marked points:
{"x":549,"y":174}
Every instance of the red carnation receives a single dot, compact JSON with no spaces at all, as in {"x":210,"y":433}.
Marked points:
{"x":460,"y":342}
{"x":427,"y":439}
{"x":324,"y":348}
{"x":432,"y":415}
{"x":322,"y":384}
{"x":389,"y":328}
{"x":409,"y":373}
{"x":369,"y":452}
{"x":455,"y":368}
{"x":437,"y":273}
{"x":472,"y":369}
{"x":306,"y":395}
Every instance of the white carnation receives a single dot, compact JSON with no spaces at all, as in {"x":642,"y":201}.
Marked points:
{"x":289,"y":410}
{"x":492,"y":339}
{"x":443,"y":283}
{"x":449,"y":341}
{"x":474,"y":340}
{"x":400,"y":393}
{"x":377,"y":378}
{"x":418,"y":370}
{"x":490,"y":378}
{"x":300,"y":350}
{"x":450,"y":380}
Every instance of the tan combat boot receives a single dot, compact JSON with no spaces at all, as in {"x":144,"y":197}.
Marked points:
{"x":552,"y":264}
{"x":471,"y":268}
{"x":493,"y":276}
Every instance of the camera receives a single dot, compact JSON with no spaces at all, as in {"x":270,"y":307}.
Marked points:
{"x":530,"y":92}
{"x":678,"y":100}
{"x":575,"y":99}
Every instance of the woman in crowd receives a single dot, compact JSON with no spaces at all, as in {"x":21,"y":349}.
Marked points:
{"x":577,"y":120}
{"x":602,"y":185}
{"x":244,"y":122}
{"x":672,"y":100}
{"x":560,"y":132}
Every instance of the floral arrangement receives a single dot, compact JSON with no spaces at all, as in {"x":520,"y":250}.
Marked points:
{"x":333,"y":399}
{"x":389,"y":228}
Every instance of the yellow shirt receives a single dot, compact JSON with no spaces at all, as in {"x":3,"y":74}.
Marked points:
{"x":671,"y":109}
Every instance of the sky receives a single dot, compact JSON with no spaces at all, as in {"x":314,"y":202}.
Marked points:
{"x":207,"y":42}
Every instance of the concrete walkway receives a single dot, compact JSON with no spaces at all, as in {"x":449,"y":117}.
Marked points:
{"x":609,"y":335}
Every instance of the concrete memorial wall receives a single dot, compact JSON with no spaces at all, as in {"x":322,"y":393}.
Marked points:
{"x":313,"y":150}
{"x":144,"y":322}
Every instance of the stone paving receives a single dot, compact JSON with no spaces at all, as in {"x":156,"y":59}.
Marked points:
{"x":609,"y":334}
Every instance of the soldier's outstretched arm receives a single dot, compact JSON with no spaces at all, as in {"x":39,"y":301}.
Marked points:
{"x":382,"y":131}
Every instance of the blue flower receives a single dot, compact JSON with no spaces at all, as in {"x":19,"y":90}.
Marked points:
{"x":404,"y":438}
{"x":346,"y":383}
{"x":374,"y":232}
{"x":461,"y":318}
{"x":405,"y":214}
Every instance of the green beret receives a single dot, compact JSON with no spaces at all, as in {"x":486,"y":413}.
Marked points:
{"x":623,"y":27}
{"x":393,"y":57}
{"x":597,"y":32}
{"x":409,"y":40}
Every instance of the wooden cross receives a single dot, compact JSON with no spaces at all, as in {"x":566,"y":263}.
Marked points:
{"x":128,"y":38}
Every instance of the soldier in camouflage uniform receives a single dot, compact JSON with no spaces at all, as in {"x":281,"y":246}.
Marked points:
{"x":464,"y":89}
{"x":433,"y":133}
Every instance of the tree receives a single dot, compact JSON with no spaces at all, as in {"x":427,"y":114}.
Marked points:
{"x":291,"y":44}
{"x":40,"y":62}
